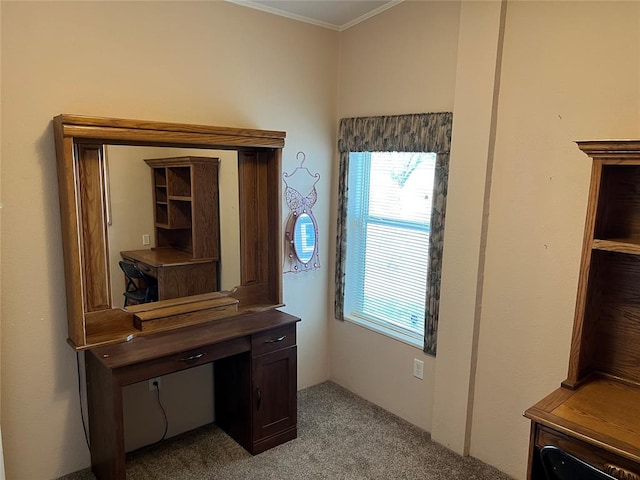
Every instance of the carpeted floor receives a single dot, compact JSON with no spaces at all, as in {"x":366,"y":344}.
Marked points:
{"x":340,"y":436}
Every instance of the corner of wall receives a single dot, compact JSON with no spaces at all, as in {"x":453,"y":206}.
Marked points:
{"x":481,"y":24}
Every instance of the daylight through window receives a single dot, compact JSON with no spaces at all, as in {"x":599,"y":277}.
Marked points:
{"x":387,"y":256}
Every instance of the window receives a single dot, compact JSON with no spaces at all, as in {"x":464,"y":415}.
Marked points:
{"x":387,"y":254}
{"x":380,"y":136}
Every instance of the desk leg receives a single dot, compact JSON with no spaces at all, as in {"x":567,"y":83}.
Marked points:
{"x":535,"y":471}
{"x":106,"y":430}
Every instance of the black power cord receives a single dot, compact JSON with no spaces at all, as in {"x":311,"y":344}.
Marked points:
{"x":84,"y":425}
{"x":166,"y":425}
{"x":166,"y":421}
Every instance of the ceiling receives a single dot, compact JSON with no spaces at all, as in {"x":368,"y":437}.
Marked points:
{"x":333,"y":14}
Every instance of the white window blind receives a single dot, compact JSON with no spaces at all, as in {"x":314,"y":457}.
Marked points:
{"x":389,"y":210}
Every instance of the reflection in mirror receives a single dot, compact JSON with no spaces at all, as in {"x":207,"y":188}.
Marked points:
{"x":304,"y":238}
{"x":93,"y":316}
{"x":130,"y":209}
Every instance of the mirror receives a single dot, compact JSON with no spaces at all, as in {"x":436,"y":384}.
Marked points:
{"x":130,"y":222}
{"x":304,"y":238}
{"x":301,"y":230}
{"x":98,"y":221}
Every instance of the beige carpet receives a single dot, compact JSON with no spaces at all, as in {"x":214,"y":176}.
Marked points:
{"x":340,"y":436}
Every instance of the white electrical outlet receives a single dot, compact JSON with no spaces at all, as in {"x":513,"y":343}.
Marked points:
{"x":418,"y":368}
{"x":152,"y":387}
{"x":146,"y":239}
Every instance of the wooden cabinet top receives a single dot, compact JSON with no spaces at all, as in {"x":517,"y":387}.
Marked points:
{"x":602,"y":412}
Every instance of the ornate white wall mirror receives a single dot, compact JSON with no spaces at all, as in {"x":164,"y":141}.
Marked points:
{"x":301,"y":229}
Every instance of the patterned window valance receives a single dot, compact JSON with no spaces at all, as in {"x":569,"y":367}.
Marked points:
{"x":421,"y":132}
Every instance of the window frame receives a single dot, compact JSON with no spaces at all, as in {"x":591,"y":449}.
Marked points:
{"x":416,"y":132}
{"x":358,"y":212}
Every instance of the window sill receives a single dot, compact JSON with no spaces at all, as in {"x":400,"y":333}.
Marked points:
{"x":387,"y":332}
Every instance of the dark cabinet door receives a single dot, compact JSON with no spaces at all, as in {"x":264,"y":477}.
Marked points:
{"x":274,"y":393}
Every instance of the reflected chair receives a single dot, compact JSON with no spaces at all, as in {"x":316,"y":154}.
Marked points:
{"x":559,"y":465}
{"x":141,"y":288}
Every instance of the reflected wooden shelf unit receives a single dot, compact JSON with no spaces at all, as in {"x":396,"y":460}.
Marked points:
{"x":186,"y":204}
{"x":595,"y":415}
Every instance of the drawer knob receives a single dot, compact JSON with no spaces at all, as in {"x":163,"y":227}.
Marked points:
{"x":620,"y":473}
{"x":192,"y":358}
{"x":275,"y":340}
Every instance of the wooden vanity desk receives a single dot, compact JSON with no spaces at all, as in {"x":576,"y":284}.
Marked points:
{"x":251,"y":344}
{"x":254,"y":359}
{"x":595,"y":414}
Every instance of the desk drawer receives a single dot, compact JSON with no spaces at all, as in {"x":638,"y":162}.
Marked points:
{"x":273,"y":340}
{"x":148,"y":269}
{"x":183,"y":360}
{"x":614,"y":465}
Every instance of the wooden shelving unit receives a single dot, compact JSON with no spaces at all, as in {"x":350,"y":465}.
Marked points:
{"x":595,"y":415}
{"x":186,"y":204}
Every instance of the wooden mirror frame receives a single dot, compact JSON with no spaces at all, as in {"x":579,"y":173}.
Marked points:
{"x":80,"y":143}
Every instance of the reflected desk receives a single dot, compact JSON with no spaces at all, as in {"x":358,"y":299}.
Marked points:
{"x":177,"y":272}
{"x":255,"y":386}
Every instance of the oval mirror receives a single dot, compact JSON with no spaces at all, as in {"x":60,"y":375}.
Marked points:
{"x":304,"y":237}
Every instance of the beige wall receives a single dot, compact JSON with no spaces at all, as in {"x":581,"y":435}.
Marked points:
{"x":517,"y":196}
{"x":568,"y":71}
{"x":465,"y":229}
{"x":196,"y":62}
{"x":401,"y":61}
